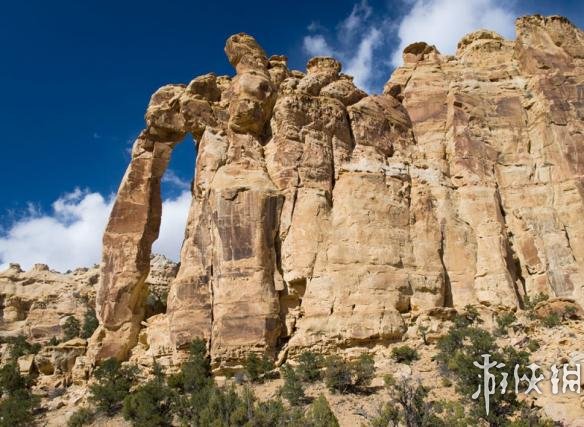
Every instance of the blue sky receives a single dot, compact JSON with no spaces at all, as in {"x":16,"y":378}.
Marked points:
{"x":77,"y":76}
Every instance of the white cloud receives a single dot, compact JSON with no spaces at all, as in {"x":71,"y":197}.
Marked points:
{"x":172,"y":178}
{"x":67,"y":238}
{"x":444,"y":22}
{"x":172,"y":226}
{"x":361,"y":65}
{"x":370,"y":42}
{"x":70,"y":236}
{"x":317,"y":46}
{"x":360,"y":13}
{"x":356,"y":39}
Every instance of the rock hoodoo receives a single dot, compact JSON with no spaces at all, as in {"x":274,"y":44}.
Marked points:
{"x":321,"y":216}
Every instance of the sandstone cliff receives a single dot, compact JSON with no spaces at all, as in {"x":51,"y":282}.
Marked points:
{"x":323,"y":217}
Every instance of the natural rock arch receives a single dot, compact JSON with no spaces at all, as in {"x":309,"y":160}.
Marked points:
{"x":321,"y":215}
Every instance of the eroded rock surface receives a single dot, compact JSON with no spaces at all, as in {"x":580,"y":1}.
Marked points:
{"x":321,"y":216}
{"x":37,"y":303}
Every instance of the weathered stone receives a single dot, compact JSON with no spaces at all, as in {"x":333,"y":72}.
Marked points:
{"x":325,"y":217}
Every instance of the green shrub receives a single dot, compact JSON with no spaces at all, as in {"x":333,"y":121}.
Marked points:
{"x":194,"y":384}
{"x":532,"y":345}
{"x":71,"y":328}
{"x":529,"y":417}
{"x":309,"y":364}
{"x":423,"y":332}
{"x":195,"y":373}
{"x":470,"y":316}
{"x":457,"y":352}
{"x":531,"y":302}
{"x":198,"y":401}
{"x":292,"y":389}
{"x":225,"y":408}
{"x":387,"y":416}
{"x":320,"y":414}
{"x":411,"y":404}
{"x":342,"y":376}
{"x":256,"y":368}
{"x":551,"y":320}
{"x":446,"y":382}
{"x":503,"y":321}
{"x":363,"y":370}
{"x":11,"y":380}
{"x":150,"y":404}
{"x":273,"y":413}
{"x":19,"y":346}
{"x":404,"y":354}
{"x":81,"y":417}
{"x":113,"y":385}
{"x":16,"y":409}
{"x":337,"y":375}
{"x":53,"y":341}
{"x":570,"y":313}
{"x":90,"y":323}
{"x":453,"y":414}
{"x":17,"y":402}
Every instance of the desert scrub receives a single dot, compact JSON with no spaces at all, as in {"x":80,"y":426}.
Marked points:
{"x":337,"y":375}
{"x":404,"y":354}
{"x":342,"y":376}
{"x":409,"y":405}
{"x":363,"y":370}
{"x":256,"y":368}
{"x":113,"y":385}
{"x":320,"y":414}
{"x":150,"y":404}
{"x":533,"y":345}
{"x":504,"y":321}
{"x":19,"y":346}
{"x":459,"y":349}
{"x":71,"y":328}
{"x":551,"y":320}
{"x":81,"y":417}
{"x":292,"y":389}
{"x":309,"y":364}
{"x":18,"y":403}
{"x":197,"y":401}
{"x":531,"y":302}
{"x":90,"y":323}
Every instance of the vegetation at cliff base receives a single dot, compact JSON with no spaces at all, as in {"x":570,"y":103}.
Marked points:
{"x":112,"y":386}
{"x":343,"y":376}
{"x":17,"y":401}
{"x":90,"y":323}
{"x":71,"y":328}
{"x":404,"y":354}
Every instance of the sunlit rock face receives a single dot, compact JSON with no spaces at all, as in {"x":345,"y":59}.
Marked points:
{"x":321,"y":215}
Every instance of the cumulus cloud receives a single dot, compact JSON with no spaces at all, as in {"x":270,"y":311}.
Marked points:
{"x":172,"y":226}
{"x":70,"y":235}
{"x":359,"y":15}
{"x":172,"y":178}
{"x":444,"y":22}
{"x":361,"y":65}
{"x":370,"y":42}
{"x":356,"y":38}
{"x":317,"y":46}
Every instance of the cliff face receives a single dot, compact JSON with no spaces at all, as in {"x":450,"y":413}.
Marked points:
{"x":322,"y":216}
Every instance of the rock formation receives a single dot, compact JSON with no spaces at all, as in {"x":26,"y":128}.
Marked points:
{"x":321,"y":216}
{"x":36,"y":303}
